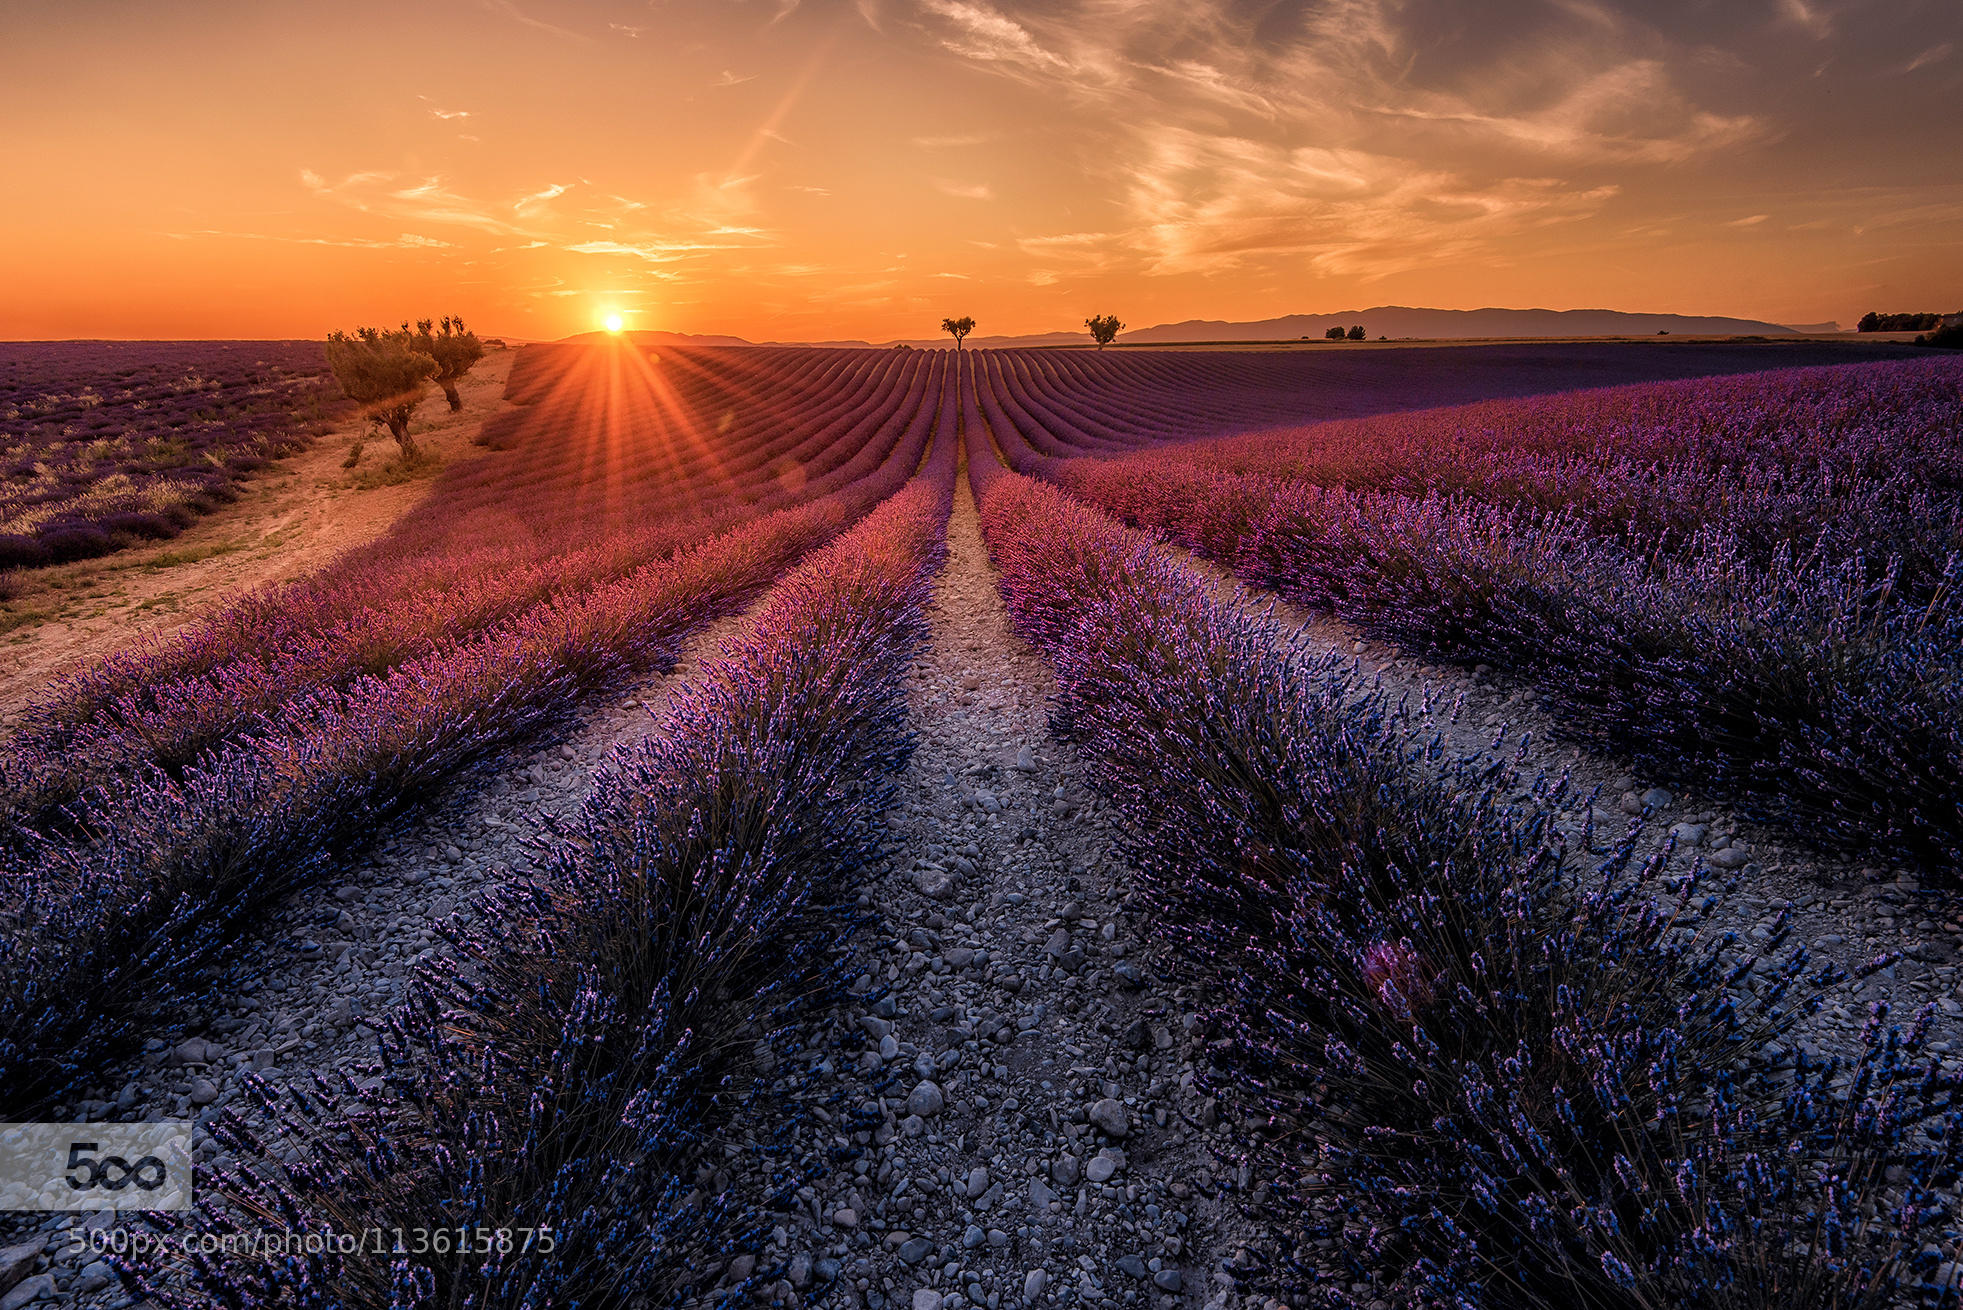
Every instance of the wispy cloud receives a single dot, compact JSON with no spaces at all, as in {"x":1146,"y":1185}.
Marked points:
{"x":531,"y":204}
{"x":978,"y":31}
{"x":425,"y":201}
{"x":731,"y":79}
{"x":655,"y":248}
{"x":1750,"y":220}
{"x":966,"y":190}
{"x":1810,"y":15}
{"x":1935,"y":54}
{"x":954,"y":141}
{"x":1207,"y":204}
{"x":652,"y":252}
{"x":510,"y":10}
{"x":406,"y":241}
{"x":1623,"y":113}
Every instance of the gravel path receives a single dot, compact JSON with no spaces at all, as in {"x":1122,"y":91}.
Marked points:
{"x":301,"y":992}
{"x":1024,"y":1074}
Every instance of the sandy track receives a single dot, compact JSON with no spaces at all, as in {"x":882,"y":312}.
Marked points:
{"x":288,"y":521}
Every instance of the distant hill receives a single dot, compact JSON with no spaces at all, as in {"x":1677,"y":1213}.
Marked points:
{"x":1461,"y":324}
{"x":1393,"y":321}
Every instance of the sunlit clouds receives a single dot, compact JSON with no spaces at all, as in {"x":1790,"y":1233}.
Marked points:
{"x":861,"y":168}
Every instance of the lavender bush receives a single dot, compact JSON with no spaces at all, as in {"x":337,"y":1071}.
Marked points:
{"x":106,"y":443}
{"x":1808,"y":669}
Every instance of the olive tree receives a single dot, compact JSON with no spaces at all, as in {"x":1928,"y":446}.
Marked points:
{"x":454,"y":349}
{"x":1104,"y":328}
{"x":1334,"y":334}
{"x":959,"y":327}
{"x":383,"y":372}
{"x":1357,"y":333}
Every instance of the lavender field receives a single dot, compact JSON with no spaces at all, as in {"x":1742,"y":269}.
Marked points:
{"x":1466,"y":827}
{"x":105,"y":443}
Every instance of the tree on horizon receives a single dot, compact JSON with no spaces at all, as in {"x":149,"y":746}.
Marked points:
{"x":1104,"y":328}
{"x":959,"y":327}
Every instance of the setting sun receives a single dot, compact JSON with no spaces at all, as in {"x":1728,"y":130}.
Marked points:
{"x":613,"y":322}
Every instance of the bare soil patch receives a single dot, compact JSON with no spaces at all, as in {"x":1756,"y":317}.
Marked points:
{"x":288,"y":521}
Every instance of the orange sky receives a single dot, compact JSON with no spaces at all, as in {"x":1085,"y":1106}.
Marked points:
{"x":861,"y":168}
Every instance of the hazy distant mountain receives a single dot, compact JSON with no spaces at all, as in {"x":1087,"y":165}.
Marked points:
{"x":1461,"y":324}
{"x":1393,"y":321}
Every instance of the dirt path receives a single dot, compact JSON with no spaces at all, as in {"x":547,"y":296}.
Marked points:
{"x":1027,"y":1069}
{"x":288,"y":521}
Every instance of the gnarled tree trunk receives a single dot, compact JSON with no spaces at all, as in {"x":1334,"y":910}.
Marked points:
{"x":449,"y":386}
{"x":399,"y":429}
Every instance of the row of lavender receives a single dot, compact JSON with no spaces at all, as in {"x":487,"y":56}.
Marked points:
{"x":136,"y":886}
{"x":433,"y":585}
{"x":1751,"y":585}
{"x":1132,"y":398}
{"x":105,"y":442}
{"x":572,"y":1074}
{"x":1853,"y":464}
{"x":1486,"y":1075}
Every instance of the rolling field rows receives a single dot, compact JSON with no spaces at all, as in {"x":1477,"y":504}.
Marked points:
{"x":1006,"y":909}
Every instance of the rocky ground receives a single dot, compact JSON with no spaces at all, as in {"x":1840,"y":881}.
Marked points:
{"x":1025,"y":1069}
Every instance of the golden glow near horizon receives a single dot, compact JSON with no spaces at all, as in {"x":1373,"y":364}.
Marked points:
{"x":613,"y":323}
{"x":826,"y":169}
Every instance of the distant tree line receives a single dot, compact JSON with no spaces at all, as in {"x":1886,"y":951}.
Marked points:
{"x":1873,"y":322}
{"x":1353,"y":334}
